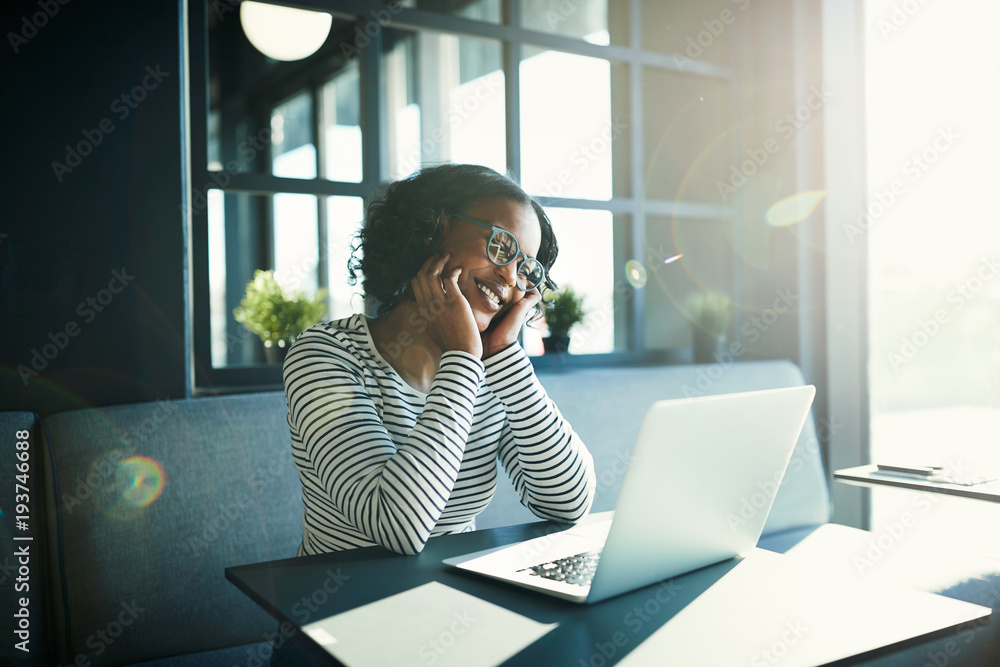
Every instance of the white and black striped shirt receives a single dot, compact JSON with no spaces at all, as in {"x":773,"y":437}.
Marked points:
{"x":384,"y":464}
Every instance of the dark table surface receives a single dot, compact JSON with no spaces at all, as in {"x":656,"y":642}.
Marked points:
{"x":707,"y":609}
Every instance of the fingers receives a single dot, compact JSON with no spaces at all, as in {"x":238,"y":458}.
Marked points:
{"x":451,"y":282}
{"x":438,"y":265}
{"x":531,"y":312}
{"x":528,"y":301}
{"x":427,"y":283}
{"x":435,"y":281}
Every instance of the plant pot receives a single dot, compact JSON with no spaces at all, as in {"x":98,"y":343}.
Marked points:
{"x":274,"y":354}
{"x":707,"y":346}
{"x":555,"y":344}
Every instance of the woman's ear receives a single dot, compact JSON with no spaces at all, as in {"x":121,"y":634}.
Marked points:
{"x":440,"y":234}
{"x":439,"y":230}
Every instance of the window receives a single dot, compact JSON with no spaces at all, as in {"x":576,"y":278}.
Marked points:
{"x":621,"y":137}
{"x":934,"y":281}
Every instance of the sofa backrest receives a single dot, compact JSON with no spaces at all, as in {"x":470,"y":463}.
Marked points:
{"x":151,"y":503}
{"x":605,"y":407}
{"x":137,"y":571}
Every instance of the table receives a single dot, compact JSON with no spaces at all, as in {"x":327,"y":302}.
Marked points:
{"x":760,"y":609}
{"x":868,"y":475}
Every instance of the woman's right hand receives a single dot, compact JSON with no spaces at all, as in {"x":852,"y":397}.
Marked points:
{"x":444,"y":307}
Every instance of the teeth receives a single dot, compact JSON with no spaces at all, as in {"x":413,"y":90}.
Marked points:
{"x":488,"y":292}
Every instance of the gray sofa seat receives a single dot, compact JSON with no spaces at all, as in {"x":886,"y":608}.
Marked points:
{"x":149,"y":573}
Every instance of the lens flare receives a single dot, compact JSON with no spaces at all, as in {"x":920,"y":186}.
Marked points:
{"x":133,"y":484}
{"x":794,"y":208}
{"x":671,"y":260}
{"x":144,"y":480}
{"x":635,"y":274}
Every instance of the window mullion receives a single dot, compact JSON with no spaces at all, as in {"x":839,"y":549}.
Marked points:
{"x":322,"y":223}
{"x":512,"y":54}
{"x":638,"y":171}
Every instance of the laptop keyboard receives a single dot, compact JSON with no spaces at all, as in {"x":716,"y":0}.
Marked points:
{"x":578,"y":569}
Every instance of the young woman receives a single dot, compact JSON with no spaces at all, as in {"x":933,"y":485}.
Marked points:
{"x":397,"y":422}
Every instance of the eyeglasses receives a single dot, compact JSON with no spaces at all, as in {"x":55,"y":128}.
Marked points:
{"x":502,"y":249}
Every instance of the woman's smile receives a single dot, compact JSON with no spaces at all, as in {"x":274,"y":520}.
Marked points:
{"x":492,"y":294}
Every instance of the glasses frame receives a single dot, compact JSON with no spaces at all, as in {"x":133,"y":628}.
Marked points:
{"x":494,"y":230}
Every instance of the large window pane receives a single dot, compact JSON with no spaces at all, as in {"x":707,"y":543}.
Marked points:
{"x":293,"y":153}
{"x":261,"y":108}
{"x":699,"y":30}
{"x":341,"y":105}
{"x":585,"y":263}
{"x":705,"y":267}
{"x":217,"y":275}
{"x":444,"y":101}
{"x":567,"y":129}
{"x":295,"y":233}
{"x":249,"y":232}
{"x":477,"y":10}
{"x":585,"y":19}
{"x":345,"y":216}
{"x":688,"y":147}
{"x":934,"y":294}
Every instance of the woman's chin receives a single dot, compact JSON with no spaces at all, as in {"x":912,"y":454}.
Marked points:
{"x":483,"y":321}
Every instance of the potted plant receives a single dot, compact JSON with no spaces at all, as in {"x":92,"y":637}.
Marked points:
{"x":565,"y":310}
{"x":711,"y":315}
{"x":276,"y":316}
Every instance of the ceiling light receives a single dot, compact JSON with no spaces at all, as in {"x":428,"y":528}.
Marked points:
{"x":284,"y":33}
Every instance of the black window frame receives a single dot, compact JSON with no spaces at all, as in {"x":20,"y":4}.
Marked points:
{"x":207,"y":380}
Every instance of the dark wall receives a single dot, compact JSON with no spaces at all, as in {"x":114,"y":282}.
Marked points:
{"x":91,"y":257}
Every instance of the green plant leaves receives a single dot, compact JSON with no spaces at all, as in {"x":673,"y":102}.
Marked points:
{"x":272,"y":314}
{"x":711,"y":312}
{"x":566,"y":309}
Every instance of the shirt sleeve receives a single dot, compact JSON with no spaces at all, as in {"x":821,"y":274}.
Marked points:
{"x":392,"y":494}
{"x":550,"y":467}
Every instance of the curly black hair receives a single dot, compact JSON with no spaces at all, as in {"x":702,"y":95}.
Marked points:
{"x":403,"y":226}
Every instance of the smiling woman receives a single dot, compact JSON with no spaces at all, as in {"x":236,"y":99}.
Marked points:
{"x":397,"y":421}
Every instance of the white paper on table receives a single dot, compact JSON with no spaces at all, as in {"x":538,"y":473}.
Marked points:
{"x":770,"y":610}
{"x":430,"y":624}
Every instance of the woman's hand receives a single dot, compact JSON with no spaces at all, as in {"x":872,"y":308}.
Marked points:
{"x":504,"y":328}
{"x":447,"y":312}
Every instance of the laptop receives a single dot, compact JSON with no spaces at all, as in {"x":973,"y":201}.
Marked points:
{"x":700,"y":483}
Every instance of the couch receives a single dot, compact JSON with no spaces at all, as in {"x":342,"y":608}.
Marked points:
{"x":137,"y":509}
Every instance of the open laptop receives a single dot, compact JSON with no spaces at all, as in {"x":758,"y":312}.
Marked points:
{"x":700,"y":483}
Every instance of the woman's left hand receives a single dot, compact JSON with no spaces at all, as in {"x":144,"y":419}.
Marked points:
{"x":505,"y":327}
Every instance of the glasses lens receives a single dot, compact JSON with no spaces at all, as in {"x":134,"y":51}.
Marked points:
{"x":502,"y":248}
{"x":530,"y":274}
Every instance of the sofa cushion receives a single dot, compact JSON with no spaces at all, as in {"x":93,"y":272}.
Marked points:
{"x":606,"y":406}
{"x":22,"y":585}
{"x":155,"y":500}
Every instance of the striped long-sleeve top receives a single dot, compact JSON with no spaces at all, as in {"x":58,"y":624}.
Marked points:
{"x":384,"y":464}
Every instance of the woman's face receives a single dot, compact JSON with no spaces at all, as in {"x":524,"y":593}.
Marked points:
{"x":467,"y":244}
